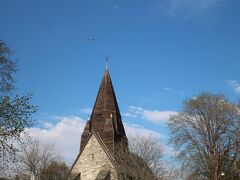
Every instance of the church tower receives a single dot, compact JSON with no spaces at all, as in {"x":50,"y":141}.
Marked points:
{"x":102,"y":133}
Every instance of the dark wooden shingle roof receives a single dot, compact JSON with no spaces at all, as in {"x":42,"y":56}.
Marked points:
{"x":105,"y":119}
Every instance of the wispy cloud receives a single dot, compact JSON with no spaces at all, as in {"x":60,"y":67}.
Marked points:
{"x":234,"y":84}
{"x":190,"y":7}
{"x":155,"y":116}
{"x":86,"y":110}
{"x":131,"y":115}
{"x":168,"y":89}
{"x":47,"y":125}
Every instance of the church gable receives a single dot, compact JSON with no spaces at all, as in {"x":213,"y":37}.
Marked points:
{"x":93,"y":160}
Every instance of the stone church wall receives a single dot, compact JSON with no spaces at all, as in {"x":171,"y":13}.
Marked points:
{"x":92,"y":160}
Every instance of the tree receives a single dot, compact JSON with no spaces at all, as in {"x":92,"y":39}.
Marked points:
{"x":56,"y":170}
{"x":40,"y":159}
{"x":206,"y":133}
{"x":15,"y":110}
{"x":142,"y":160}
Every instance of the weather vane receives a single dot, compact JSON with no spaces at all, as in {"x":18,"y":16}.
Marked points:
{"x":106,"y":62}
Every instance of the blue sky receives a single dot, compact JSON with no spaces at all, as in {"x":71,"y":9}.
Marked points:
{"x":161,"y":52}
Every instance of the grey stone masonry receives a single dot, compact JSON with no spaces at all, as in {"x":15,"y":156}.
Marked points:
{"x":92,"y":160}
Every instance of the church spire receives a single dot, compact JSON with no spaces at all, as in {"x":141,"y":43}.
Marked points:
{"x":106,"y":101}
{"x":105,"y":119}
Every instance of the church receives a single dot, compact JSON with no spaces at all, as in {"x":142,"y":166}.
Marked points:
{"x":100,"y":139}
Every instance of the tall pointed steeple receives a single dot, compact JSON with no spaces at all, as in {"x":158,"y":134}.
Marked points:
{"x":105,"y":119}
{"x":106,"y":102}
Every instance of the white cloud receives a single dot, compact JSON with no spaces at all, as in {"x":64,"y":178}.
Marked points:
{"x":157,"y":116}
{"x":234,"y":84}
{"x":154,"y":116}
{"x":190,"y":7}
{"x":65,"y":135}
{"x":47,"y":125}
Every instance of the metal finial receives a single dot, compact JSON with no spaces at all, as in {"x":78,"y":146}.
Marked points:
{"x":106,"y":62}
